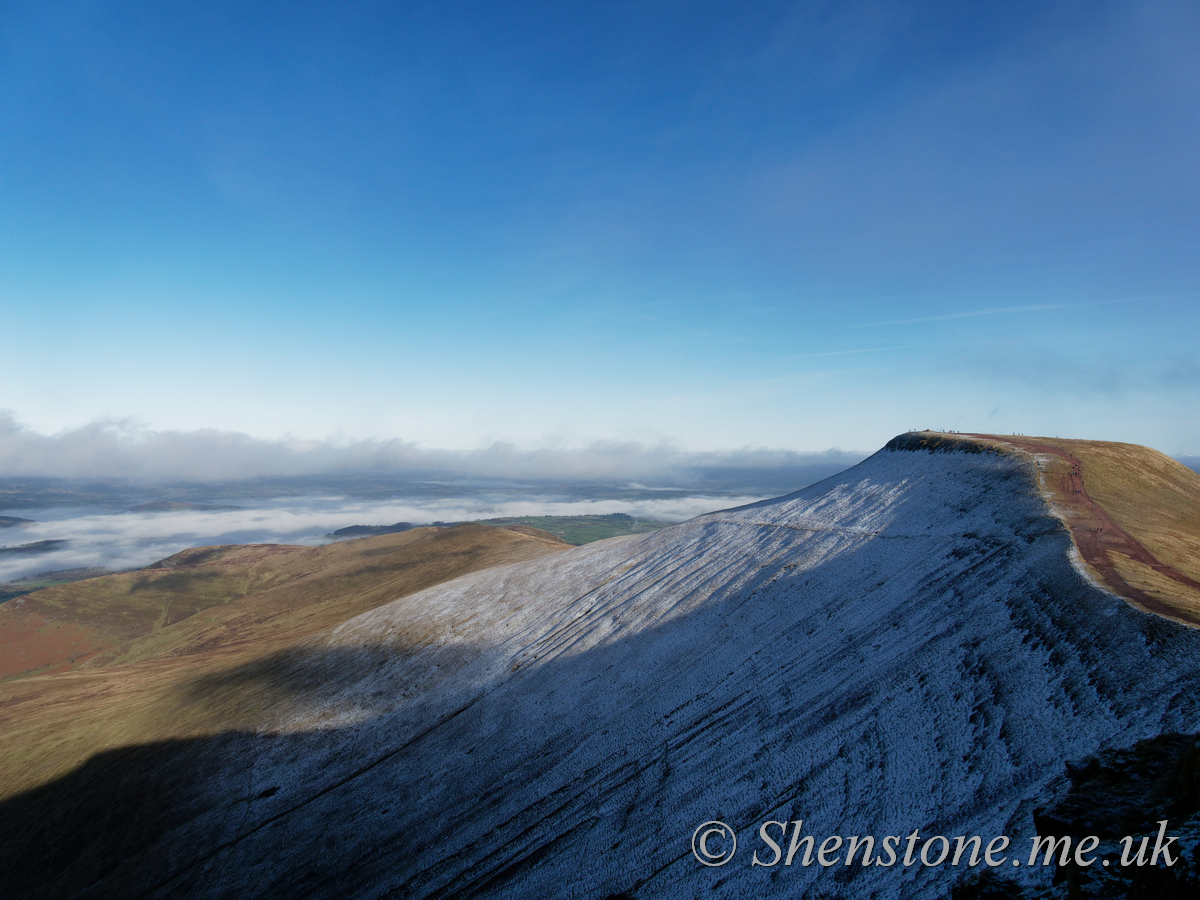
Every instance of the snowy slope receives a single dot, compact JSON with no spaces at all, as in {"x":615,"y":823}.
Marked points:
{"x":906,"y":645}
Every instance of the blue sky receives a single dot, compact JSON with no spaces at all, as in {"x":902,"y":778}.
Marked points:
{"x":708,"y":225}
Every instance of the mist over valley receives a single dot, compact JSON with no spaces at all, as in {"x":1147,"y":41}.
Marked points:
{"x":117,"y":527}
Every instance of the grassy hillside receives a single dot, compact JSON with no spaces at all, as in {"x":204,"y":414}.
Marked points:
{"x":126,"y":650}
{"x":1153,"y":498}
{"x":1134,"y":514}
{"x":29,"y":584}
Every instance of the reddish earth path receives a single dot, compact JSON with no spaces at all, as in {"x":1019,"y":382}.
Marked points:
{"x":1094,"y":531}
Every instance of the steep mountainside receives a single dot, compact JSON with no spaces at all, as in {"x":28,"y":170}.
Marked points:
{"x":1133,"y":512}
{"x":907,"y":645}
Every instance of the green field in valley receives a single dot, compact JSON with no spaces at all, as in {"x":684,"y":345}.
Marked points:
{"x":584,"y":529}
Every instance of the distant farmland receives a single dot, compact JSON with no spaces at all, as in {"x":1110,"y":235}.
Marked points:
{"x":583,"y":529}
{"x":574,"y":530}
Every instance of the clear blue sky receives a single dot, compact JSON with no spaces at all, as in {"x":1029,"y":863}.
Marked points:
{"x":790,"y":225}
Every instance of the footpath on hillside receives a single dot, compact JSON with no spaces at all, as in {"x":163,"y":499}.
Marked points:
{"x":1098,"y":537}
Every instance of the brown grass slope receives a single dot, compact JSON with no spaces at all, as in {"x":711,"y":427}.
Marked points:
{"x":131,"y":647}
{"x":1133,"y":513}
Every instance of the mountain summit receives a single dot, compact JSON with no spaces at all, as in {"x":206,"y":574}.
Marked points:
{"x":916,"y":643}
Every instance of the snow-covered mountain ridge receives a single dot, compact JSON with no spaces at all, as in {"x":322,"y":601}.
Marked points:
{"x":905,"y":645}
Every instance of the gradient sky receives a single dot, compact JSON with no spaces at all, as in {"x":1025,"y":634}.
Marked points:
{"x":722,"y":225}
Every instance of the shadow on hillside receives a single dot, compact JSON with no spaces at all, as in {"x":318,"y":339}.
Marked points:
{"x":385,"y":676}
{"x":168,"y":805}
{"x":64,"y":836}
{"x":148,"y":818}
{"x":461,"y":778}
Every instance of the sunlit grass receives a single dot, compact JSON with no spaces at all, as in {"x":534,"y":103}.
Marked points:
{"x":210,"y":617}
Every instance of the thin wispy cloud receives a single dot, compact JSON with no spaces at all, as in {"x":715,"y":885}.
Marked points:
{"x":967,"y":314}
{"x":866,"y":350}
{"x":1027,"y":308}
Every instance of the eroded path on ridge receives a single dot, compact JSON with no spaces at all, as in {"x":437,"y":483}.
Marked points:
{"x":1094,"y":531}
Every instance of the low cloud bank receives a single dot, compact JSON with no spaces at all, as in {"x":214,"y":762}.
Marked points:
{"x":117,"y":448}
{"x":132,"y":539}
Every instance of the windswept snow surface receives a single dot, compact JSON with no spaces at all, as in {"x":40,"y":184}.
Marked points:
{"x":904,"y":646}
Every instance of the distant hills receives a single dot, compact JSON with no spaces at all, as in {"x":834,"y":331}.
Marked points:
{"x":180,"y":506}
{"x":33,"y":547}
{"x":576,"y":530}
{"x":924,"y":641}
{"x":372,"y":530}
